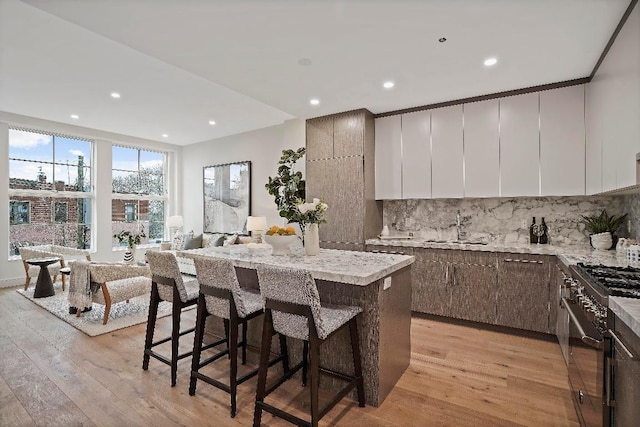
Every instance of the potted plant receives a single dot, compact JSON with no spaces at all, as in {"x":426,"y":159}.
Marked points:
{"x":131,"y":240}
{"x":288,"y":187}
{"x":603,"y":227}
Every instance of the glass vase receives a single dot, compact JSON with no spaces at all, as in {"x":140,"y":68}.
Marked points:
{"x":311,"y":240}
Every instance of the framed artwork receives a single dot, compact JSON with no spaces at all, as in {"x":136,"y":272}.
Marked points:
{"x":227,"y":197}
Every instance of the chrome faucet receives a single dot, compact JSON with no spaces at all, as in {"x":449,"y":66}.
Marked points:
{"x":459,"y":225}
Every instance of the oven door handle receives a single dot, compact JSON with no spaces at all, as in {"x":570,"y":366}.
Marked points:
{"x":590,"y":341}
{"x":624,"y":348}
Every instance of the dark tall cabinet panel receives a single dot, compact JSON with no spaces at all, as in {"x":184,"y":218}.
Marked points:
{"x":340,"y":171}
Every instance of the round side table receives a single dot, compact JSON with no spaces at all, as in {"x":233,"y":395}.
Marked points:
{"x":44,"y":285}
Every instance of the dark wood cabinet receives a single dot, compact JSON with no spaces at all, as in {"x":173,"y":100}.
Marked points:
{"x":473,"y":285}
{"x":514,"y":290}
{"x":460,"y":284}
{"x":625,"y":375}
{"x":429,"y":282}
{"x":523,"y":299}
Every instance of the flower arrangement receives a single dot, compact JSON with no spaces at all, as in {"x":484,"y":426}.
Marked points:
{"x":130,"y":238}
{"x":279,"y":231}
{"x":313,"y":212}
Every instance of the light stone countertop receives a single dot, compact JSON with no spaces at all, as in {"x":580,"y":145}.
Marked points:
{"x":628,"y":310}
{"x":355,"y":268}
{"x":569,"y":254}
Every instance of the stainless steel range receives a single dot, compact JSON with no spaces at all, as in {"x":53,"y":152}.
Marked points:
{"x":583,"y":331}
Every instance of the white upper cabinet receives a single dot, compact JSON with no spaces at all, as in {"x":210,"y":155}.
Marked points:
{"x":519,"y":146}
{"x":388,"y":158}
{"x":416,"y":155}
{"x":481,"y":149}
{"x":562,"y":142}
{"x":446,"y":152}
{"x":595,"y":134}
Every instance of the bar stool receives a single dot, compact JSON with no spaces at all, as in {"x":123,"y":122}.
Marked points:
{"x":222,"y":296}
{"x":168,"y":284}
{"x":292,"y":308}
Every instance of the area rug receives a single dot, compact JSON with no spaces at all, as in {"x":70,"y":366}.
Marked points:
{"x":122,"y":314}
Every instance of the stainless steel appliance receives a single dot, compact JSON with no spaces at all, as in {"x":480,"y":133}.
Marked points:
{"x":583,"y":331}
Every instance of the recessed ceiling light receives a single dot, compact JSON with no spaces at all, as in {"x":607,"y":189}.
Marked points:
{"x":388,"y":85}
{"x":305,"y":62}
{"x":75,"y":116}
{"x":442,"y":39}
{"x":490,"y":61}
{"x":115,"y":95}
{"x":314,"y":101}
{"x":164,"y":135}
{"x":212,"y":122}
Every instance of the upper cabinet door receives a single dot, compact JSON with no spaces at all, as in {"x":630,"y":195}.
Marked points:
{"x":481,"y":149}
{"x":319,"y":139}
{"x":595,"y":136}
{"x":519,"y":146}
{"x":562,"y":142}
{"x":446,"y":152}
{"x":416,"y":155}
{"x":348,"y":132}
{"x":388,"y":158}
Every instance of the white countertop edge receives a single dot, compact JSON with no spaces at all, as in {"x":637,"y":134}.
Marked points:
{"x":628,"y":310}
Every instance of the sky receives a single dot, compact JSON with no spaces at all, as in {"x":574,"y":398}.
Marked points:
{"x":39,"y":149}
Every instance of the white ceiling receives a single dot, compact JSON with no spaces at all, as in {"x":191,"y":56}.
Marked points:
{"x":180,"y":63}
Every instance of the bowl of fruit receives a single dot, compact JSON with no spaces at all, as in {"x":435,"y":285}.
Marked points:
{"x":280,"y":239}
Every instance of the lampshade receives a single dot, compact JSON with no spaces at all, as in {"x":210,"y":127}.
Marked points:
{"x":256,"y":223}
{"x":174,"y":221}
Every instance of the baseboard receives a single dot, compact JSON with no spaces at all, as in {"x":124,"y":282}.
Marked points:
{"x":10,"y":283}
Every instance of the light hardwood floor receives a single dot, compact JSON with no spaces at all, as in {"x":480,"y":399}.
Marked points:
{"x":53,"y":375}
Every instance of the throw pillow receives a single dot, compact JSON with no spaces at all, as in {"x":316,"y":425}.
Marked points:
{"x":212,"y":240}
{"x":193,"y":242}
{"x":231,"y":240}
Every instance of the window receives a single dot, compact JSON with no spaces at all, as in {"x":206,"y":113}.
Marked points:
{"x":60,"y":212}
{"x":50,"y":191}
{"x":18,"y":212}
{"x":130,"y":212}
{"x":138,"y":192}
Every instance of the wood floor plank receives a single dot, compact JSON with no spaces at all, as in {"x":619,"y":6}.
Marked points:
{"x":458,"y":376}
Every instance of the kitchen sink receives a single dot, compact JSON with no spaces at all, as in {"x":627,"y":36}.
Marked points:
{"x":457,"y":242}
{"x":468,"y":242}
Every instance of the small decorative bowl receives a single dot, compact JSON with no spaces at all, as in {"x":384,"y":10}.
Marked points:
{"x":280,"y":244}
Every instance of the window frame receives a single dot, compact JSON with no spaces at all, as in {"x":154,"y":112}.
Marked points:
{"x":54,"y":212}
{"x":28,"y":203}
{"x":52,"y":192}
{"x":140,"y":196}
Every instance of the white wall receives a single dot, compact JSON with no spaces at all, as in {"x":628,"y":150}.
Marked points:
{"x":613,"y":113}
{"x":262,"y":147}
{"x":11,"y":271}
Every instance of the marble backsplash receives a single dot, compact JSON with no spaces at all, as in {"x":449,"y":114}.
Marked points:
{"x":632,"y":206}
{"x":506,"y":220}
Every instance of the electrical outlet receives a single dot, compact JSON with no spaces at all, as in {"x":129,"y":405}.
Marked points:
{"x":524,"y":223}
{"x":386,"y":283}
{"x":629,"y":226}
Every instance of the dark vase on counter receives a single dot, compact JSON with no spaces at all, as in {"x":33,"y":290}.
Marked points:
{"x":532,"y":236}
{"x":544,"y":239}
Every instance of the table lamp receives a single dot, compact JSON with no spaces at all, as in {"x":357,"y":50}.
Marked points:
{"x":256,"y":225}
{"x":174,"y":222}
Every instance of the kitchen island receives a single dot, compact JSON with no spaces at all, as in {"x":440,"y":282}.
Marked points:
{"x":378,"y":283}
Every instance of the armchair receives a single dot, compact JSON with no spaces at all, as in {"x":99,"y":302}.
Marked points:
{"x":46,"y":251}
